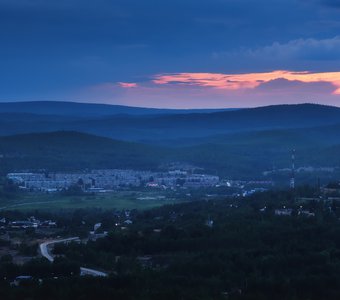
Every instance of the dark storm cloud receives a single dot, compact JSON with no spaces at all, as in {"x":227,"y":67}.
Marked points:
{"x":193,"y":23}
{"x":300,"y":54}
{"x":286,"y":85}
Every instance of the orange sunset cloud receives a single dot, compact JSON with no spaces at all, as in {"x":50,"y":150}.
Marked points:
{"x":247,"y":80}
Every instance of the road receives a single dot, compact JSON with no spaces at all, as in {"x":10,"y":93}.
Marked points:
{"x":83,"y":271}
{"x":91,"y":272}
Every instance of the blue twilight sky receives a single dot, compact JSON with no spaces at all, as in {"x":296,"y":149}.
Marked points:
{"x":178,"y":53}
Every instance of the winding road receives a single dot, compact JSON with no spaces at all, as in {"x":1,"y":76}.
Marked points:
{"x":83,"y":271}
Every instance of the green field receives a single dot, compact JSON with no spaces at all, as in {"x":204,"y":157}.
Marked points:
{"x":116,"y":200}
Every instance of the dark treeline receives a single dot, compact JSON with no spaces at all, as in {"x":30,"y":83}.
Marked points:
{"x":230,"y":249}
{"x":38,"y":268}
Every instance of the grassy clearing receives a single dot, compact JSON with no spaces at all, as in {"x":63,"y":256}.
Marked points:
{"x":117,"y":200}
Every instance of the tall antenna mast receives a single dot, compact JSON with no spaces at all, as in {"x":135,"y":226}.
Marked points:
{"x":292,"y":179}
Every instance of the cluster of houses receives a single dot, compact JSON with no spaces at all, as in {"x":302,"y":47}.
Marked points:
{"x":31,"y":222}
{"x":289,"y":212}
{"x":99,"y":180}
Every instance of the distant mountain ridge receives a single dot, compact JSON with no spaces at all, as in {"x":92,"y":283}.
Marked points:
{"x":151,"y":128}
{"x":78,"y":109}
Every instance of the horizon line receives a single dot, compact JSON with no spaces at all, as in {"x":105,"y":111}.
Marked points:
{"x":163,"y":108}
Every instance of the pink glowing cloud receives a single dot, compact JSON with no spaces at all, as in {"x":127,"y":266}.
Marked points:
{"x":246,"y":81}
{"x":128,"y":85}
{"x":211,"y":90}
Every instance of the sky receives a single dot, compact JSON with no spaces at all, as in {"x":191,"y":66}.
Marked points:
{"x":171,"y":54}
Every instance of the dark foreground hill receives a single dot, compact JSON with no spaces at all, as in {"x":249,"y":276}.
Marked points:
{"x":74,"y":151}
{"x":242,"y":155}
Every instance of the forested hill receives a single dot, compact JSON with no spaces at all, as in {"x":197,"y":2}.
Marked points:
{"x":156,"y":127}
{"x":242,"y":155}
{"x":66,"y":150}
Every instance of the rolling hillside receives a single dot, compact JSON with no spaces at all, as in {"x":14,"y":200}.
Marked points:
{"x":74,"y":151}
{"x":237,"y":144}
{"x":155,"y":128}
{"x":241,"y":155}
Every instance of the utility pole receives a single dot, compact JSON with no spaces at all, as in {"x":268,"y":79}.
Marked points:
{"x":292,"y":178}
